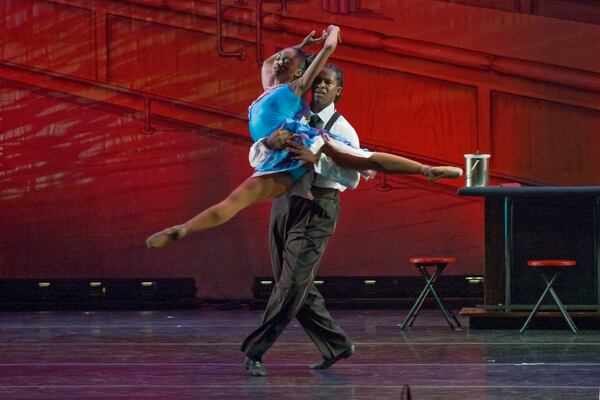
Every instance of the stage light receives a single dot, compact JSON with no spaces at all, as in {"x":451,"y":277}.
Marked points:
{"x":123,"y":293}
{"x":474,"y":279}
{"x":392,"y":290}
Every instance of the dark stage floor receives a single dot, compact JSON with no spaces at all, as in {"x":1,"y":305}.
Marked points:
{"x":194,"y":355}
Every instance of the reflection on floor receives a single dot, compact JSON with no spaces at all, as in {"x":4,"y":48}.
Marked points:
{"x":195,"y":355}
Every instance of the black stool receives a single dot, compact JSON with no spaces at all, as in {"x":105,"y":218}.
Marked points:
{"x":422,"y":263}
{"x":556,"y":266}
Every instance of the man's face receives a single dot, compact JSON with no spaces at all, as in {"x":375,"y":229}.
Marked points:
{"x":325,"y":88}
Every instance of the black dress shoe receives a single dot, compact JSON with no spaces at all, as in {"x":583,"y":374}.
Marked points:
{"x":255,"y":367}
{"x":328,"y":362}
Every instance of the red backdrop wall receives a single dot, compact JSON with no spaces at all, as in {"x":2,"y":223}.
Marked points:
{"x":82,"y":185}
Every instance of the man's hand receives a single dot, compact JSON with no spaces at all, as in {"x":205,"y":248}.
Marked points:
{"x":302,"y":152}
{"x":278,"y":139}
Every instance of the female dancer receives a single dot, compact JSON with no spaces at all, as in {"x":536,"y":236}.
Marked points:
{"x":287,"y":76}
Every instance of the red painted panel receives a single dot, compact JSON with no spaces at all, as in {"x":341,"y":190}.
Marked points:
{"x":411,"y":114}
{"x":579,"y":10}
{"x":548,"y":73}
{"x":49,"y":36}
{"x":544,"y":141}
{"x":179,"y":63}
{"x":81,"y":188}
{"x":575,"y":10}
{"x":466,"y":29}
{"x":507,"y":5}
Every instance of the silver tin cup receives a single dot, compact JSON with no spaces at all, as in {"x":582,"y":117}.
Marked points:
{"x":476,"y":169}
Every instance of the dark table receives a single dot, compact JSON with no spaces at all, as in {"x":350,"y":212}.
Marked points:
{"x":523,"y":223}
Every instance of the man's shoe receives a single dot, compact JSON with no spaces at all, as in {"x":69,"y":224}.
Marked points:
{"x":255,"y":367}
{"x":328,"y":362}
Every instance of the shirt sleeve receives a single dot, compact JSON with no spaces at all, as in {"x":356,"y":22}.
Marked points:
{"x":345,"y":130}
{"x":330,"y":170}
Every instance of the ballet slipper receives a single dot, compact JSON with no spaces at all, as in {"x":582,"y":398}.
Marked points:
{"x":447,"y":172}
{"x":160,"y":239}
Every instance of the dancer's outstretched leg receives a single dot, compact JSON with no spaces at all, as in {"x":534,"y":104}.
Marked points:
{"x":389,"y":163}
{"x":252,"y":190}
{"x":393,"y":164}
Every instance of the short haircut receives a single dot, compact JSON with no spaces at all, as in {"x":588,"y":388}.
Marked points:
{"x":339,"y":74}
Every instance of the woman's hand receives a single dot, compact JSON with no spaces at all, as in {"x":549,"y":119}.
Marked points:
{"x":334,"y":30}
{"x":278,"y":138}
{"x":310,"y":40}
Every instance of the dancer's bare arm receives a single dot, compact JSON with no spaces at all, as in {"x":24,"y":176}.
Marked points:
{"x":267,"y":77}
{"x":303,"y":84}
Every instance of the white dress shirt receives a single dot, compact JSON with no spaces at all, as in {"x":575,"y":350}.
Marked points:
{"x":328,"y":174}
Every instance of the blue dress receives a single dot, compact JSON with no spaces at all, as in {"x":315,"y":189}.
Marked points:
{"x":278,"y":106}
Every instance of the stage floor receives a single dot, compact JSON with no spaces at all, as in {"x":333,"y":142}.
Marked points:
{"x":195,"y":355}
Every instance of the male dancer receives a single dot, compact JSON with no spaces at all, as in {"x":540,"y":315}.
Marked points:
{"x":299,"y":231}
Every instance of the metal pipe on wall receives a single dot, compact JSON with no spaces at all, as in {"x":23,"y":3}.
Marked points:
{"x":259,"y":47}
{"x":259,"y":52}
{"x":240,"y":54}
{"x":147,"y":97}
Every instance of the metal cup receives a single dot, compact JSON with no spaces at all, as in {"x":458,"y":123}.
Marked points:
{"x":476,"y":169}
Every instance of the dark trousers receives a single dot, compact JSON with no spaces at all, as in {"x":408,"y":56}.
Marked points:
{"x":299,"y":232}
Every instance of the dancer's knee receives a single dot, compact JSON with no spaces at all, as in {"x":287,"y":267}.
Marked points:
{"x":253,"y":190}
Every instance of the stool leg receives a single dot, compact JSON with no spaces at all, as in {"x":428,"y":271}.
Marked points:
{"x":441,"y":304}
{"x":539,"y":302}
{"x":412,"y":314}
{"x":562,"y":308}
{"x":430,"y":287}
{"x":445,"y":309}
{"x":430,"y":280}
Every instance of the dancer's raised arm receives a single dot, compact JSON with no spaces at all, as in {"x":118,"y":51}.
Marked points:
{"x":303,"y":84}
{"x":267,"y":74}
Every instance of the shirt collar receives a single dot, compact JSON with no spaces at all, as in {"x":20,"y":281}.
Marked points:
{"x":327,"y":112}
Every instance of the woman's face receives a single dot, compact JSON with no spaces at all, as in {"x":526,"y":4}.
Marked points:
{"x":286,"y":65}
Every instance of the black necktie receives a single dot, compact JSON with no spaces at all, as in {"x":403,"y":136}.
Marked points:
{"x":316,"y":122}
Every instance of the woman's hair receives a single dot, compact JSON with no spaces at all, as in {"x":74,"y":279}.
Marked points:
{"x":305,"y":59}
